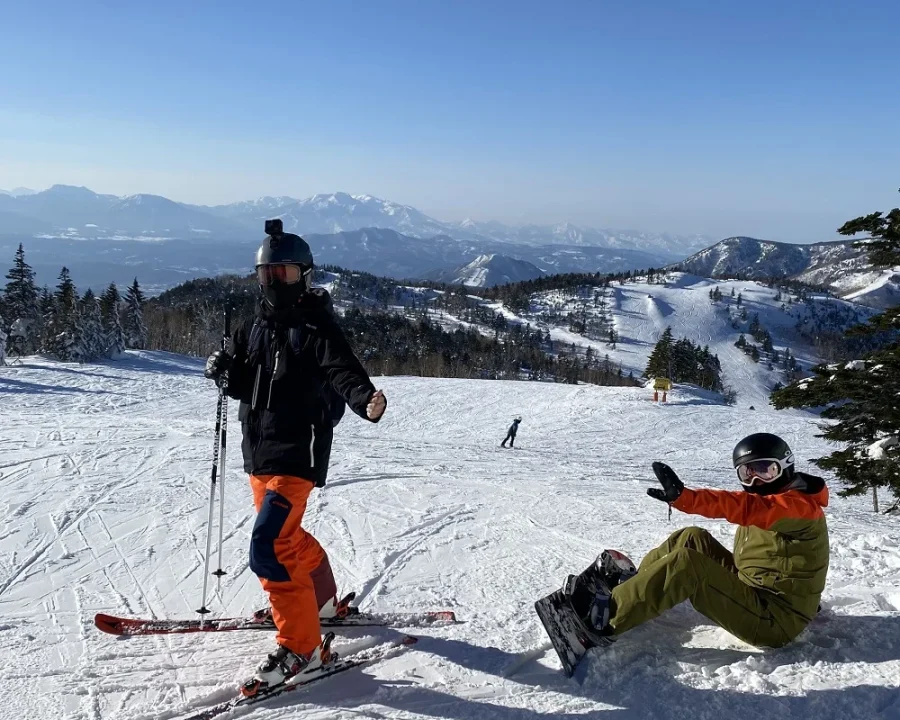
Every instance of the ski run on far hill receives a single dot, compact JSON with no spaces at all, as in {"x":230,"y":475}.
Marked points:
{"x":105,"y":485}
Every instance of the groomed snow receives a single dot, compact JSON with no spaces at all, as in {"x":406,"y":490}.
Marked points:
{"x":105,"y":482}
{"x":642,"y":311}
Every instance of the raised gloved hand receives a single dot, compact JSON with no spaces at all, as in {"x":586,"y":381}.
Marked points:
{"x":217,"y":366}
{"x":671,"y":485}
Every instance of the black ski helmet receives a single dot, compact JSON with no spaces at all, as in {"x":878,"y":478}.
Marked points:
{"x":281,"y":248}
{"x":765,"y":446}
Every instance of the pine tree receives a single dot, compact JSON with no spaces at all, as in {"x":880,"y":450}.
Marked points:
{"x":65,"y":332}
{"x":660,"y":358}
{"x":741,"y":341}
{"x":94,"y":336}
{"x":861,"y":396}
{"x":21,"y":301}
{"x":109,"y":300}
{"x":134,"y":328}
{"x":2,"y":342}
{"x":740,"y":299}
{"x":21,"y":296}
{"x":65,"y":295}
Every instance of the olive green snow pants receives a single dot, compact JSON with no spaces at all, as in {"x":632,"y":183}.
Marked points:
{"x":693,"y":565}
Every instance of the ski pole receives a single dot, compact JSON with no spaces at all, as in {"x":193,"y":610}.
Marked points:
{"x":220,"y":413}
{"x":224,"y":442}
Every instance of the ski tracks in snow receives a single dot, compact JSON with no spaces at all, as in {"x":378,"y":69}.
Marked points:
{"x":106,"y":492}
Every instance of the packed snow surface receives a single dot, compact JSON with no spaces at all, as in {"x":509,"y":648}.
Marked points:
{"x":105,"y":483}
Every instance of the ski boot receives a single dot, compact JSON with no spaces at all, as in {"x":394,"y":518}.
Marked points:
{"x":333,"y":609}
{"x":283,"y":664}
{"x":264,"y":617}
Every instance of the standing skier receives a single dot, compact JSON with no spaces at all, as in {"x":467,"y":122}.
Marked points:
{"x":511,"y":433}
{"x":765,"y":593}
{"x":292,"y":369}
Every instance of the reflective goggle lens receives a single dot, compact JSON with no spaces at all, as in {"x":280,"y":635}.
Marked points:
{"x":280,"y":274}
{"x":763,"y":470}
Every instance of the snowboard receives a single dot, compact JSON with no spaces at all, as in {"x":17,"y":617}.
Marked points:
{"x":570,"y":638}
{"x":567,"y":633}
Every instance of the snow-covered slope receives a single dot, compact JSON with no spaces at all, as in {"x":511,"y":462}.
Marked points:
{"x":105,"y":487}
{"x":882,"y":292}
{"x":837,"y":265}
{"x":490,"y":270}
{"x":640,"y":312}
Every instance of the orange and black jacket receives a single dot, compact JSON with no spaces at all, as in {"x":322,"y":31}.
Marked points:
{"x":782,"y":543}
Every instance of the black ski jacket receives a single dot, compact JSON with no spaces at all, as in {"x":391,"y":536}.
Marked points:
{"x":285,"y":416}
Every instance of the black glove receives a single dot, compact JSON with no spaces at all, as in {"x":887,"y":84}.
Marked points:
{"x":217,"y":366}
{"x":672,"y":486}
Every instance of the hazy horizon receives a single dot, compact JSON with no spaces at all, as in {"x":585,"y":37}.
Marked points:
{"x":769,"y":120}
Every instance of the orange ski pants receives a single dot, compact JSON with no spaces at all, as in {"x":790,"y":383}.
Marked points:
{"x":291,"y":565}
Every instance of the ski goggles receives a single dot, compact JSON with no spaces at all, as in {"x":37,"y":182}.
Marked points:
{"x":281,"y":274}
{"x":765,"y":470}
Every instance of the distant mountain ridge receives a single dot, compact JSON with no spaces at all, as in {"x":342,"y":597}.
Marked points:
{"x":79,"y":212}
{"x":338,"y":212}
{"x":839,"y":265}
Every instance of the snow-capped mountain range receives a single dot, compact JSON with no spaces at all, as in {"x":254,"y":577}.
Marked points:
{"x":839,"y":265}
{"x":103,"y":237}
{"x":80,"y":212}
{"x":338,"y":212}
{"x":167,"y":242}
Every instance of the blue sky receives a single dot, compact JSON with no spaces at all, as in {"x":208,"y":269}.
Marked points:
{"x":774,"y":119}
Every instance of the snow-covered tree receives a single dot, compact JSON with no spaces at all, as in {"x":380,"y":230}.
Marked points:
{"x":109,"y":301}
{"x":110,"y":307}
{"x":134,"y":328}
{"x":94,"y":339}
{"x":21,"y":301}
{"x":63,"y":333}
{"x":2,"y":342}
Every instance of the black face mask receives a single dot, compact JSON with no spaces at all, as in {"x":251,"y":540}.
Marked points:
{"x":281,"y":296}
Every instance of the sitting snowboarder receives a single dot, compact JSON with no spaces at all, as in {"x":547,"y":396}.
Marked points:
{"x":765,"y":593}
{"x":511,"y":433}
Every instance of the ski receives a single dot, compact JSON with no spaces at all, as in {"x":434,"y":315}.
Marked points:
{"x":363,"y":657}
{"x":355,"y":618}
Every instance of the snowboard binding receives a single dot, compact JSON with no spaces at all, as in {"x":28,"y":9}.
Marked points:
{"x":589,"y":593}
{"x":576,"y":617}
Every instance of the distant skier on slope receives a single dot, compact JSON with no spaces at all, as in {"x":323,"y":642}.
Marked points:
{"x":292,"y":369}
{"x":765,"y":593}
{"x":511,"y":433}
